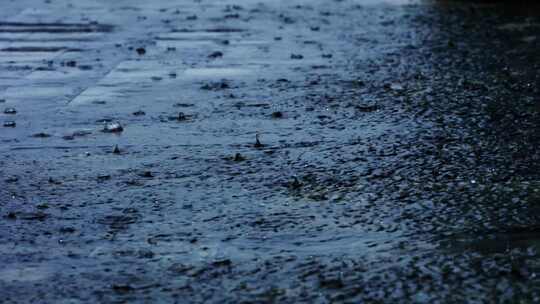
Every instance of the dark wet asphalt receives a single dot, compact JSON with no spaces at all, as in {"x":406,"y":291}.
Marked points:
{"x":275,"y":151}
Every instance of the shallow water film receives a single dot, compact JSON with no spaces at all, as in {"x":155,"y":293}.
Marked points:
{"x":244,"y":151}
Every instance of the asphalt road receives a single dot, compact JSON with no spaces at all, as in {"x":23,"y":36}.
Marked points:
{"x":273,"y":151}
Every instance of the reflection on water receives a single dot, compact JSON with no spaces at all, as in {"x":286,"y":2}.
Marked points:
{"x":215,"y":72}
{"x":393,"y":2}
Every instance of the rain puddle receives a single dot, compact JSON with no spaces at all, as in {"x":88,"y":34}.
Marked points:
{"x":187,"y":36}
{"x":216,"y":72}
{"x":53,"y":28}
{"x":33,"y":49}
{"x":26,"y":274}
{"x":374,"y":243}
{"x":388,"y":2}
{"x":21,"y":58}
{"x":213,"y":30}
{"x":38,"y":92}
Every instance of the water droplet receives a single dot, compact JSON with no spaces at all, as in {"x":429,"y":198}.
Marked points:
{"x":113,"y":127}
{"x":10,"y":124}
{"x":10,"y":111}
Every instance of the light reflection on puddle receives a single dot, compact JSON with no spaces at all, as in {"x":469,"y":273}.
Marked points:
{"x":28,"y":274}
{"x":182,"y":44}
{"x":190,"y":36}
{"x":388,"y":2}
{"x":38,"y":92}
{"x":216,"y":72}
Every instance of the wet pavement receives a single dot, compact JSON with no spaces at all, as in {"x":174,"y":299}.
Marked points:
{"x":274,"y":151}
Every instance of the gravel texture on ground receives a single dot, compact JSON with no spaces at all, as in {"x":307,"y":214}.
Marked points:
{"x":274,"y":151}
